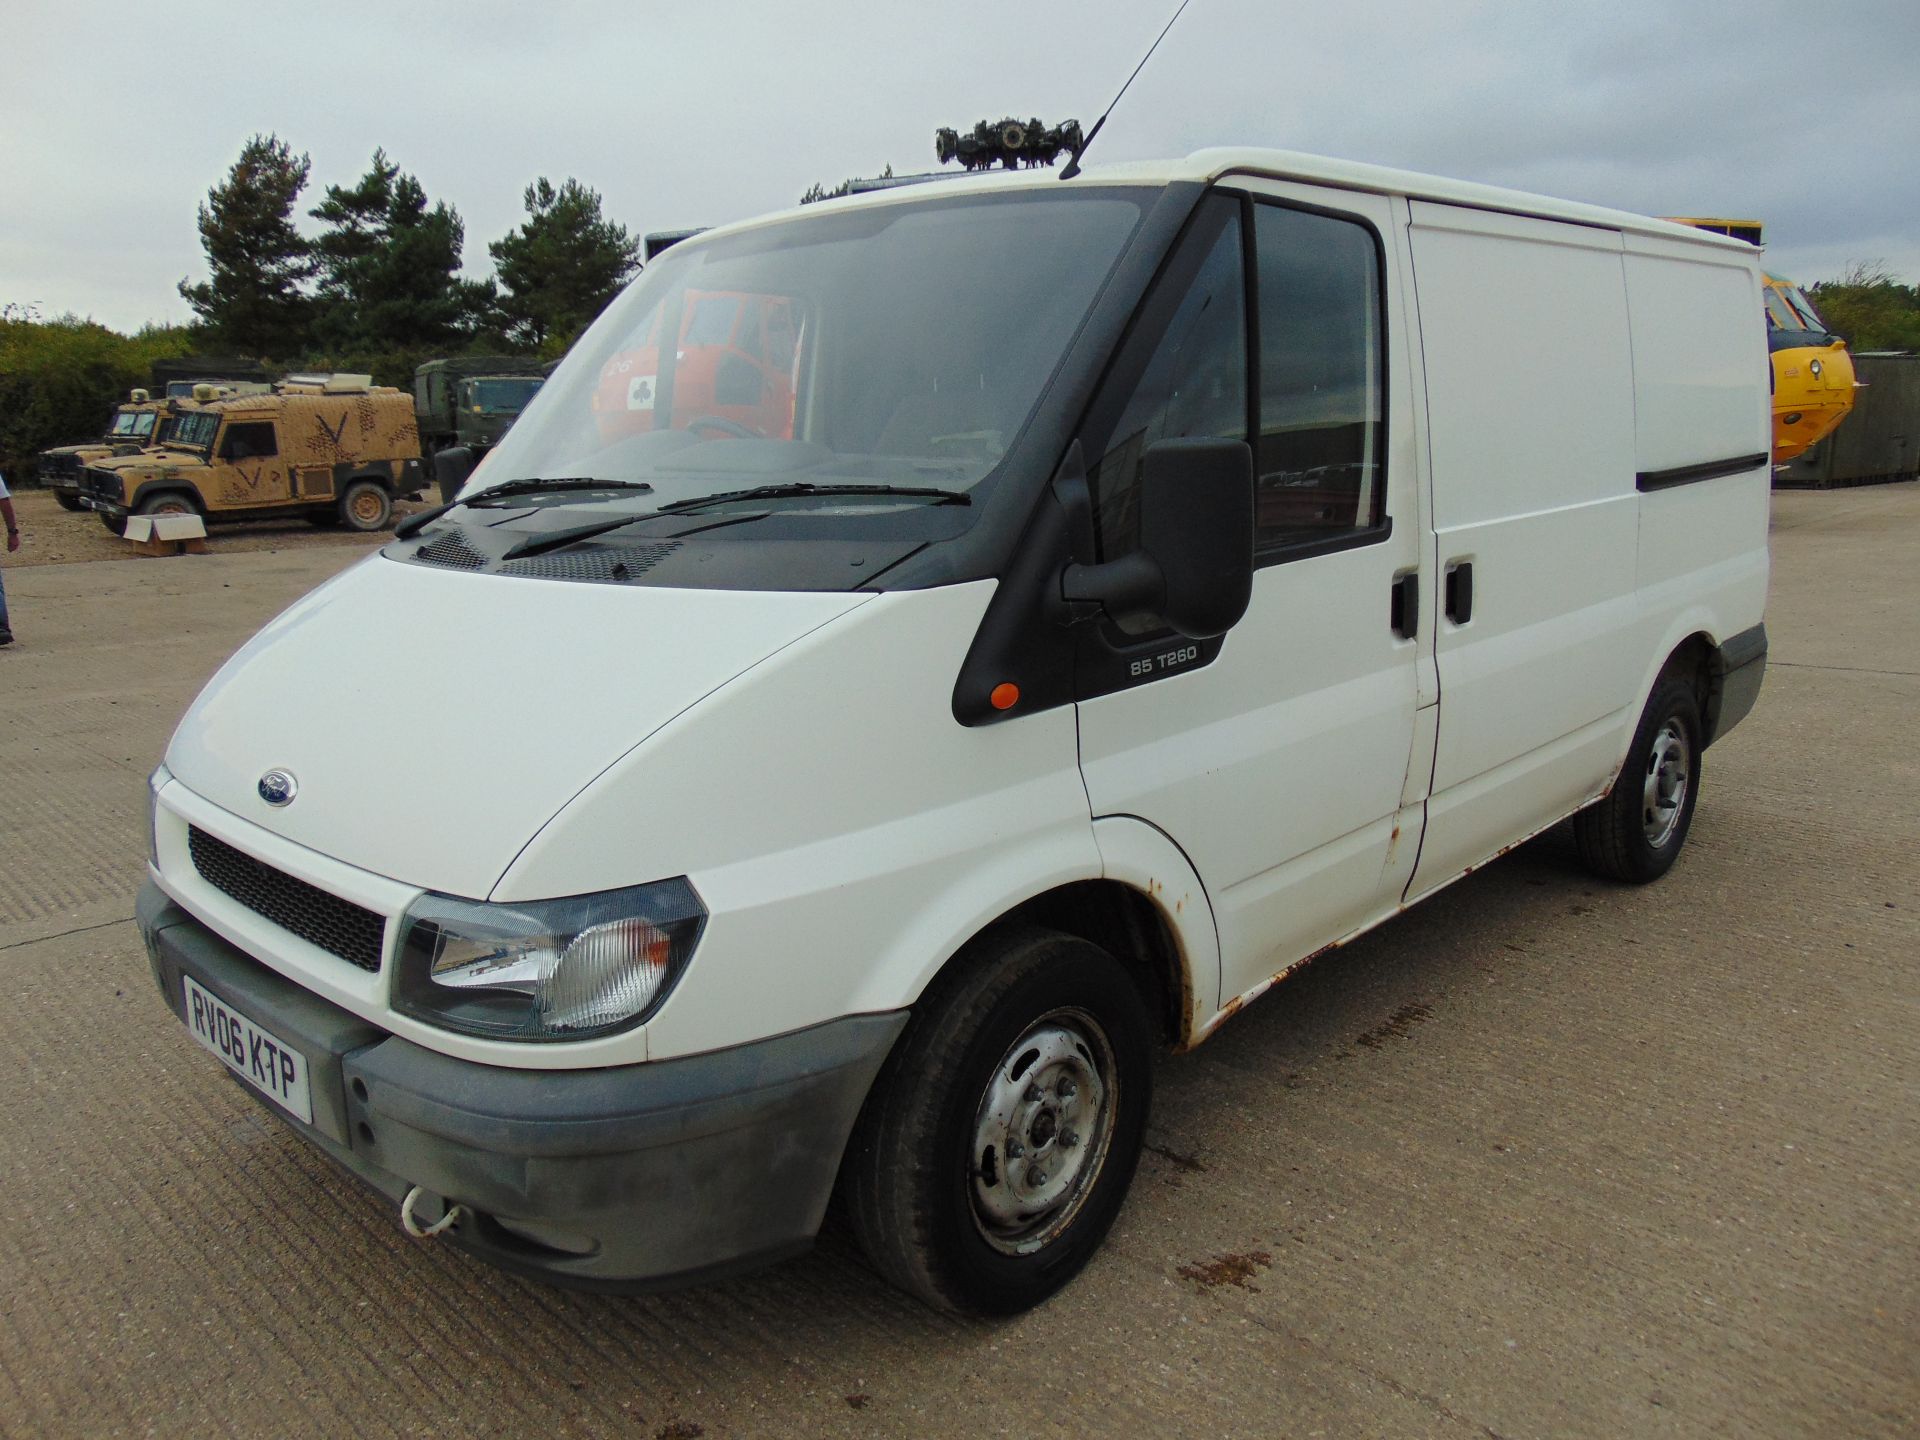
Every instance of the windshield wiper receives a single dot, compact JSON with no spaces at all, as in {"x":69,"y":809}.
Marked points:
{"x":569,"y":482}
{"x":800,"y":488}
{"x":557,"y":539}
{"x":414,"y":524}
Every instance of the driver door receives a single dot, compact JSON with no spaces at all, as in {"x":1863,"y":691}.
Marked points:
{"x":1277,"y":756}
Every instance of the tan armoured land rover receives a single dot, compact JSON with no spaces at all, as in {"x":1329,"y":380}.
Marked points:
{"x":334,"y":448}
{"x":135,"y":425}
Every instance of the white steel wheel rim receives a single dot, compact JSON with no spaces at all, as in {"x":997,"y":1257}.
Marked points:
{"x":1041,"y":1132}
{"x":364,"y":504}
{"x":1663,"y":792}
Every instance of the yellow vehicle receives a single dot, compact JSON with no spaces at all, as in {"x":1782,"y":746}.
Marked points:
{"x":336,"y":449}
{"x":1813,"y":381}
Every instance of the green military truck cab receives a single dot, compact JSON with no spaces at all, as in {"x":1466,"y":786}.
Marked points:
{"x":471,"y":400}
{"x":335,"y":449}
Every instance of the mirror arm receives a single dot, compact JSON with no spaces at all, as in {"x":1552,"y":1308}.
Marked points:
{"x":1132,"y":585}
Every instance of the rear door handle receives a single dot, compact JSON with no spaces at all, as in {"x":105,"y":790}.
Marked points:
{"x":1459,"y":601}
{"x":1404,"y":613}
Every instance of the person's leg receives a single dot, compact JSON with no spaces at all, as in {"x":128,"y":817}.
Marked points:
{"x":5,"y":633}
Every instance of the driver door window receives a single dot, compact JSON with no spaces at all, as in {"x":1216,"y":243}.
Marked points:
{"x":1191,"y":382}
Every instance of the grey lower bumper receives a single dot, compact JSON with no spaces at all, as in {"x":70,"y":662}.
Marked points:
{"x":638,"y":1177}
{"x":1740,"y":667}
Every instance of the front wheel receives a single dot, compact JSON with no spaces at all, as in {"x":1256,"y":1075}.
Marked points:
{"x":116,"y":524}
{"x":66,"y":501}
{"x":168,"y":504}
{"x":1000,"y":1138}
{"x":1634,"y":833}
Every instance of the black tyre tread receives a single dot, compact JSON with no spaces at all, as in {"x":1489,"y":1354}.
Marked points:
{"x":1609,"y":833}
{"x":893,"y":1225}
{"x":67,"y":502}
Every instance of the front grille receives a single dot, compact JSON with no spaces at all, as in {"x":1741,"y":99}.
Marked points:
{"x":102,"y":485}
{"x":335,"y":925}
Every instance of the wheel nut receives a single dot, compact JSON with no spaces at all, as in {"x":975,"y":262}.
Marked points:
{"x":1036,"y":1177}
{"x":1034,"y":1095}
{"x":1015,"y":1149}
{"x":1068,"y":1090}
{"x":1069,"y":1139}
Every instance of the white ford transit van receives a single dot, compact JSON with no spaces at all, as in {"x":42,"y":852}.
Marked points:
{"x":920,"y":653}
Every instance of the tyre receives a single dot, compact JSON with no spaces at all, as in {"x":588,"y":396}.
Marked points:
{"x":116,"y":524}
{"x":1635,"y":832}
{"x":66,"y":501}
{"x":365,"y":506}
{"x":1000,"y":1137}
{"x":174,"y":504}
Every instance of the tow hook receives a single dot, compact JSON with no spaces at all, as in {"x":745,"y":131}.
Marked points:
{"x":426,"y":1232}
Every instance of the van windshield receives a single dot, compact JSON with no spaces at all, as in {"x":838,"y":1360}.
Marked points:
{"x":903,"y":344}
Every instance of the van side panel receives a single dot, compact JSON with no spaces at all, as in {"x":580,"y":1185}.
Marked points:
{"x":1700,"y":387}
{"x":1530,"y":412}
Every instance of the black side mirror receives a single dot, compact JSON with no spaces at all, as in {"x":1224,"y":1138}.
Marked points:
{"x":451,"y":467}
{"x":1194,"y":568}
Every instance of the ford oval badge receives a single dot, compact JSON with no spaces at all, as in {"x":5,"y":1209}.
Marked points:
{"x":278,"y":787}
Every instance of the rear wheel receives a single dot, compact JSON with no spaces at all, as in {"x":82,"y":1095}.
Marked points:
{"x":1635,"y":833}
{"x":1000,"y":1138}
{"x":365,"y":506}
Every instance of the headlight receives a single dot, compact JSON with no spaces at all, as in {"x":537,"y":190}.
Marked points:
{"x":547,"y":969}
{"x":156,"y":782}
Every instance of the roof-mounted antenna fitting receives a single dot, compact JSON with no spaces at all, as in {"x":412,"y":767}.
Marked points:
{"x":1073,"y":166}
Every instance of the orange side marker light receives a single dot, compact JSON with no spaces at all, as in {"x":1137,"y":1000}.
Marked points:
{"x":1005,"y":695}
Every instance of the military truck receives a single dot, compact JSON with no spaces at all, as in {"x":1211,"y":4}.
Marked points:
{"x":470,"y":400}
{"x":177,"y":375}
{"x":336,"y":449}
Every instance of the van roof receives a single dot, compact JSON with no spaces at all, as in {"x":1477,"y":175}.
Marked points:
{"x":1206,"y":166}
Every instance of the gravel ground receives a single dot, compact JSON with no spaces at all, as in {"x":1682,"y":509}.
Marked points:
{"x":52,"y":536}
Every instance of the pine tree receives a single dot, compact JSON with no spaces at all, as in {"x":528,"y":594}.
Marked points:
{"x":562,"y":266}
{"x":255,"y":299}
{"x":390,"y":266}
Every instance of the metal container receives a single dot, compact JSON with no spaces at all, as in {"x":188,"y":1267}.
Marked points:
{"x":1880,"y":441}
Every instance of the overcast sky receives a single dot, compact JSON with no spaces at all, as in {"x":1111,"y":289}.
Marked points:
{"x":115,"y":119}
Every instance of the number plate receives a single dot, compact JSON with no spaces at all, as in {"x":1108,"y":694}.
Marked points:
{"x":260,"y":1058}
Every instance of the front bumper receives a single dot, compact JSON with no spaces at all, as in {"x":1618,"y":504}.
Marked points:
{"x":632,"y":1178}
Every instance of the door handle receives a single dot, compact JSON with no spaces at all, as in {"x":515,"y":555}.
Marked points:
{"x":1459,"y":601}
{"x":1404,"y":612}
